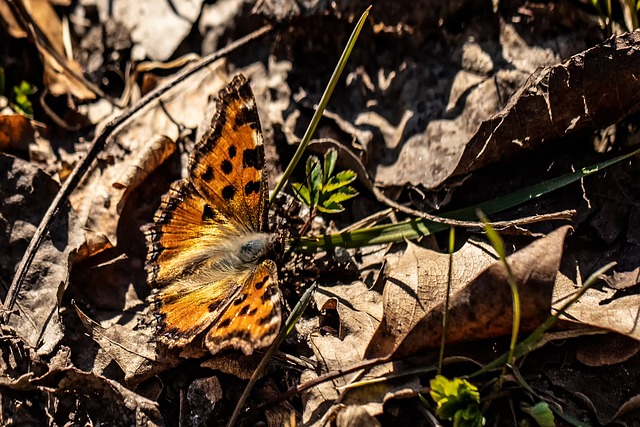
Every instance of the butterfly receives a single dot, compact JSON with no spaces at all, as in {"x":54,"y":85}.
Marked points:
{"x":209,"y":251}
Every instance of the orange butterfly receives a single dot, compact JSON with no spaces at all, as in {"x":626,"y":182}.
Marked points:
{"x":208,"y":250}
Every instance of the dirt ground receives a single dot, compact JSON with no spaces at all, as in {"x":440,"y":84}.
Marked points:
{"x":525,"y":111}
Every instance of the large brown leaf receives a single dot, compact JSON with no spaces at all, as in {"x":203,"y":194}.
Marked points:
{"x":481,"y":299}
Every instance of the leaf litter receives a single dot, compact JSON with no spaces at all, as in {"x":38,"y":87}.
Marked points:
{"x":419,"y":132}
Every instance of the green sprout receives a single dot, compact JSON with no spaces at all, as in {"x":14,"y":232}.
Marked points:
{"x":22,"y":104}
{"x":324,"y":191}
{"x":457,"y":400}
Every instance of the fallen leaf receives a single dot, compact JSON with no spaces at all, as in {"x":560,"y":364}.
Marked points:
{"x":16,"y":132}
{"x":481,"y":300}
{"x":135,"y":353}
{"x":150,"y":22}
{"x":600,"y":307}
{"x":605,"y":350}
{"x":59,"y":383}
{"x":359,"y":313}
{"x":57,"y":78}
{"x":553,"y":102}
{"x":25,"y":194}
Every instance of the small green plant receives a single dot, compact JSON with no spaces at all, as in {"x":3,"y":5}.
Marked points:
{"x":457,"y":400}
{"x":324,"y":191}
{"x":21,"y":103}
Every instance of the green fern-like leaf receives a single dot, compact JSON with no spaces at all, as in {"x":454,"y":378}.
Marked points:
{"x":323,"y":190}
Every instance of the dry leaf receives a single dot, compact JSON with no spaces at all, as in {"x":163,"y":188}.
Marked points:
{"x":25,"y":194}
{"x":480,"y":305}
{"x":57,"y":79}
{"x":16,"y":132}
{"x":67,"y":388}
{"x":135,"y":353}
{"x":359,"y":314}
{"x":602,"y":308}
{"x":158,"y":27}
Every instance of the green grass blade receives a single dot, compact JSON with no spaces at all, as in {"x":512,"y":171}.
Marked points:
{"x":415,"y":228}
{"x":321,"y":106}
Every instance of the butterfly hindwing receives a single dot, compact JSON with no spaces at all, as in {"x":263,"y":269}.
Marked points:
{"x":185,"y":309}
{"x":252,"y":318}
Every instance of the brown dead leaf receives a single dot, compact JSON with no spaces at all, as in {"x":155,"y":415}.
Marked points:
{"x":481,"y":302}
{"x":603,"y":307}
{"x":591,"y":90}
{"x":554,"y":101}
{"x":359,"y":312}
{"x":13,"y":27}
{"x":605,"y":350}
{"x":46,"y":29}
{"x":135,"y":353}
{"x":25,"y":194}
{"x":16,"y":132}
{"x":68,"y":389}
{"x":356,"y":416}
{"x":156,"y":27}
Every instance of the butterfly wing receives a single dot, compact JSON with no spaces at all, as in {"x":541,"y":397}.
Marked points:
{"x":253,"y":316}
{"x":227,"y":165}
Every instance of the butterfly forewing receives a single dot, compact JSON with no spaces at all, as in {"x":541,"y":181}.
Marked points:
{"x":185,"y":228}
{"x":228,"y":163}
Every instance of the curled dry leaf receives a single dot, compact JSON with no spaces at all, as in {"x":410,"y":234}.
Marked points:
{"x":604,"y":308}
{"x":147,"y":160}
{"x":591,"y":90}
{"x":48,"y":39}
{"x":67,"y":388}
{"x":481,"y":302}
{"x":25,"y":194}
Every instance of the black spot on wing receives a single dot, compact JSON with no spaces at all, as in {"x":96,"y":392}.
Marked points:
{"x":226,"y":322}
{"x":226,"y":166}
{"x":246,"y":117}
{"x":228,"y":192}
{"x":208,"y":174}
{"x":208,"y":213}
{"x":263,"y":321}
{"x":244,"y":310}
{"x":232,"y":151}
{"x":244,"y":90}
{"x":261,"y":283}
{"x":240,"y":299}
{"x":253,"y":157}
{"x":252,"y":187}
